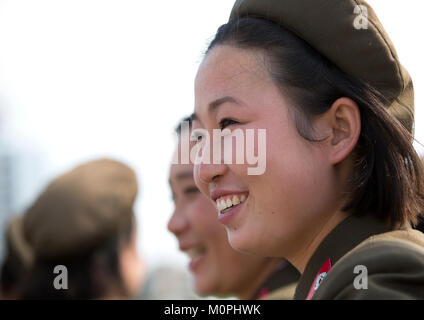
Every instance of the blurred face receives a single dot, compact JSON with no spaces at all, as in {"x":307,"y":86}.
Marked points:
{"x":283,"y":208}
{"x":217,"y":268}
{"x":133,"y":270}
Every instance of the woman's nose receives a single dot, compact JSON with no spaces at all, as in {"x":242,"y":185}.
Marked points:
{"x":208,"y":165}
{"x":178,"y":223}
{"x":206,"y":173}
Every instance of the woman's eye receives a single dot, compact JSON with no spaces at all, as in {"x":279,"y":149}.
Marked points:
{"x":198,"y":138}
{"x":226,"y":122}
{"x":191,"y":190}
{"x":197,"y":135}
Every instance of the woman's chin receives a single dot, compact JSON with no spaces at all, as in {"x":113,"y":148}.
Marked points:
{"x":203,"y":288}
{"x":243,"y":243}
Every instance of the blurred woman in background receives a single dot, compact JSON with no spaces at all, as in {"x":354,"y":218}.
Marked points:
{"x":83,"y":223}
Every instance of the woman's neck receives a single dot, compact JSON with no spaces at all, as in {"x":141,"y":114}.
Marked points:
{"x":301,"y":257}
{"x":269,"y":267}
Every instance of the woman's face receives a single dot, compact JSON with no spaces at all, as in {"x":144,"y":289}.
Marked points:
{"x":285,"y":206}
{"x":217,"y":268}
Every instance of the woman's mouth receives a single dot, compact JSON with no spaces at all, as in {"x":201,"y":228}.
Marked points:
{"x":229,"y":205}
{"x":196,"y":254}
{"x":225,"y":203}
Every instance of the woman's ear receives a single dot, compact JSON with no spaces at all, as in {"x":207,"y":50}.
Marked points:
{"x":343,"y":122}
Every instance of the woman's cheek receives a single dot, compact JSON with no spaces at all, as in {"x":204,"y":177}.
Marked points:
{"x":203,"y":187}
{"x":205,"y":210}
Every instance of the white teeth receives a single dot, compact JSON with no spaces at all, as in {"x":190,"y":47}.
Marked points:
{"x":229,"y":203}
{"x":194,"y":252}
{"x":222,"y":204}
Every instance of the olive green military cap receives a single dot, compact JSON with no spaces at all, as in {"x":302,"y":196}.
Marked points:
{"x":80,"y":209}
{"x":337,"y":29}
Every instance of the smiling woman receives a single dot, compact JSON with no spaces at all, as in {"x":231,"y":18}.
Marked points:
{"x":341,"y":168}
{"x":217,"y":268}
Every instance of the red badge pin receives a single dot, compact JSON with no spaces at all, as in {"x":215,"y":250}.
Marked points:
{"x":318,"y":279}
{"x":262,"y":294}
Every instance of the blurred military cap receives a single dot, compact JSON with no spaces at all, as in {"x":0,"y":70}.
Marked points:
{"x":18,"y":250}
{"x":337,"y":29}
{"x":81,"y":209}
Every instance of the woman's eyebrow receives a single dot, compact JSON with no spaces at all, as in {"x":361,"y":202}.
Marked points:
{"x":215,"y":105}
{"x":218,"y":102}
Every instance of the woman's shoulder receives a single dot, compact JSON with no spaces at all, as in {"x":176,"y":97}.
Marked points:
{"x":386,"y":266}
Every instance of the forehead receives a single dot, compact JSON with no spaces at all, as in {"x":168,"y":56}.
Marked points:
{"x":228,"y":70}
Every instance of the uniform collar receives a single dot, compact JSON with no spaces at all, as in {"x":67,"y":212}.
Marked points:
{"x":285,"y":275}
{"x":343,"y":238}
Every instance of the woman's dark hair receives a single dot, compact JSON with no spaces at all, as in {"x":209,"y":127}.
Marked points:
{"x":387,"y":177}
{"x":94,"y":274}
{"x":178,"y":128}
{"x":12,"y":271}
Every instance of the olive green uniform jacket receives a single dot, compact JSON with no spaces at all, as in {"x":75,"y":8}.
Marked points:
{"x":280,"y":285}
{"x":393,"y":260}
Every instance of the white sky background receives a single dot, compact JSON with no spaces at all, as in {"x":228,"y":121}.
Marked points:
{"x":80,"y":79}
